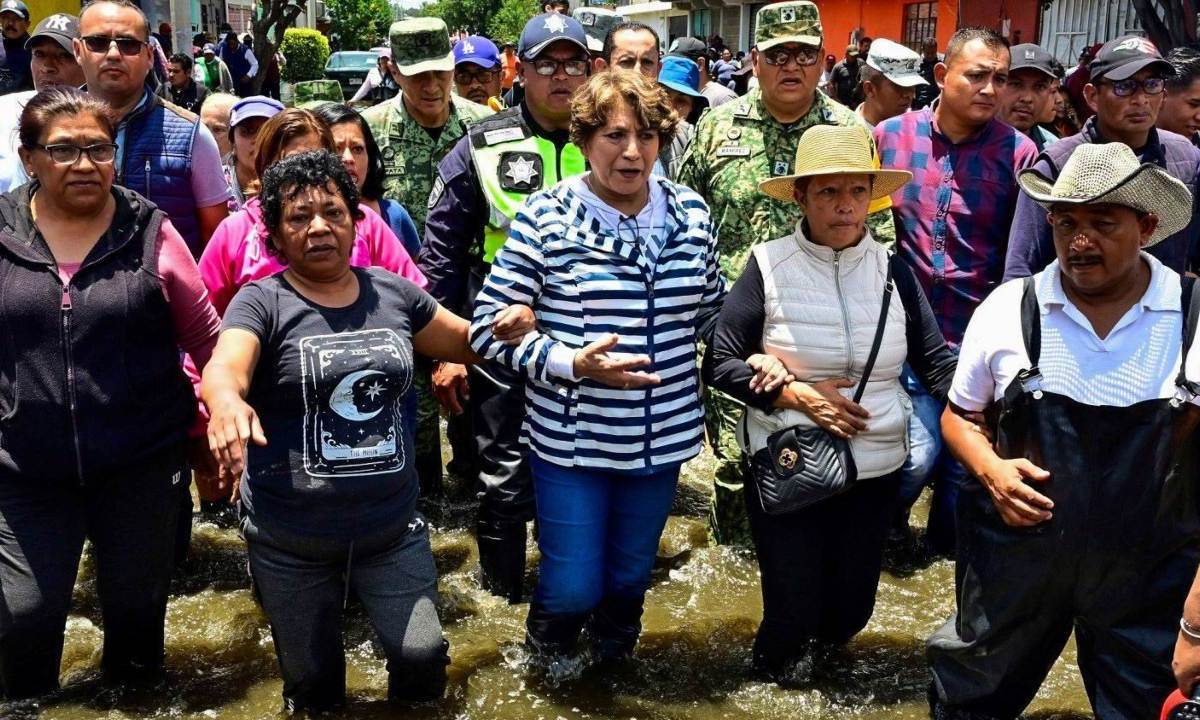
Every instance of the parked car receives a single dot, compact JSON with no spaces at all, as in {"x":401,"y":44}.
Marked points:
{"x":350,"y":68}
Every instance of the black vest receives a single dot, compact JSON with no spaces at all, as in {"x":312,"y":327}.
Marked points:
{"x":87,"y":390}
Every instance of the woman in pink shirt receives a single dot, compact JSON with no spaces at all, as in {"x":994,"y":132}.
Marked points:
{"x":237,"y":253}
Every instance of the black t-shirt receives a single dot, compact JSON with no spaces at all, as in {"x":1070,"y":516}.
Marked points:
{"x":329,"y":390}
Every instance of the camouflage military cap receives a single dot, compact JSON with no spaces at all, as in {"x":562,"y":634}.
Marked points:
{"x":420,"y":45}
{"x":788,"y":22}
{"x":316,"y":91}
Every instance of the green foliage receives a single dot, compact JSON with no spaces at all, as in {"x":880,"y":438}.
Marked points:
{"x":508,"y":22}
{"x":470,"y":15}
{"x":306,"y":51}
{"x":360,"y":24}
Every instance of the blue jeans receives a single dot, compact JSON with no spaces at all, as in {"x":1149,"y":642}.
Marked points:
{"x":929,"y":462}
{"x":598,"y":533}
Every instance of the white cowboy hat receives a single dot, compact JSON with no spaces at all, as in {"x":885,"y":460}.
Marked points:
{"x":836,"y":150}
{"x":1110,"y":173}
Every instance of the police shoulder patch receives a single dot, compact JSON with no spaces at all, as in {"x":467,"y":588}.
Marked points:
{"x":435,"y":194}
{"x":520,"y":172}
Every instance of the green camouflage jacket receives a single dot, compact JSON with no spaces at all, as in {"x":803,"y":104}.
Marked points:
{"x":410,"y":155}
{"x":739,"y":144}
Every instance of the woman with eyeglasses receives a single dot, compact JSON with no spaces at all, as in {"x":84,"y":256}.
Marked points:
{"x":98,"y":292}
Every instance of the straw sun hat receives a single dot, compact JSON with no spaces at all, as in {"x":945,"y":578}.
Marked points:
{"x":1110,"y":173}
{"x":836,"y":150}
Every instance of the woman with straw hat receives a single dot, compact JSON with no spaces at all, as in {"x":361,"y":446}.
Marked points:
{"x":821,"y":300}
{"x":1083,"y":513}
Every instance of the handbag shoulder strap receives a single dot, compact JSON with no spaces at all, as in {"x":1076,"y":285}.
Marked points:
{"x":1189,"y":304}
{"x":888,"y":287}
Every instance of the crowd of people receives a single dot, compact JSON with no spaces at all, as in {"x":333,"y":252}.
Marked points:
{"x":854,"y":280}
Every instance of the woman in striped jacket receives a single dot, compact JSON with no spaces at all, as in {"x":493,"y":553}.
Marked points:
{"x":621,"y":269}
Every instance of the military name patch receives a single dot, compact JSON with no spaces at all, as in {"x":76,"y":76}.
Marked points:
{"x":503,"y":135}
{"x":733,"y":151}
{"x":520,"y":171}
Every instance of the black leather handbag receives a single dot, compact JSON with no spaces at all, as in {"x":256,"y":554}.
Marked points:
{"x":802,"y":465}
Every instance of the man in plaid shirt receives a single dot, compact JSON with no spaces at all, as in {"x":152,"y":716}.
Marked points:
{"x":952,"y":224}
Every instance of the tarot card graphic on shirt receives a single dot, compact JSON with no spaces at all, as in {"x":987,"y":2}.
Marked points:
{"x":354,"y":387}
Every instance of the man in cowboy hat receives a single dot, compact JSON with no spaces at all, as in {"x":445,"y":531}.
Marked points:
{"x":736,"y":146}
{"x":1081,"y":513}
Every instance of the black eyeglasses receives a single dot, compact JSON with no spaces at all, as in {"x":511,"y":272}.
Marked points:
{"x":101,"y":44}
{"x":804,"y":56}
{"x":466,"y":77}
{"x":547,"y":67}
{"x":66,"y":154}
{"x":1125,"y":88}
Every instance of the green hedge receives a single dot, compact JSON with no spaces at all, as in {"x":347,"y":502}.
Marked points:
{"x":306,"y":51}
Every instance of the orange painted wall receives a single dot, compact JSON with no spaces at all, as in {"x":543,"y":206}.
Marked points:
{"x":1023,"y":15}
{"x":877,"y":18}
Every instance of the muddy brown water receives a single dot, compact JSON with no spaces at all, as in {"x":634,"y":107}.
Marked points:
{"x":692,"y":662}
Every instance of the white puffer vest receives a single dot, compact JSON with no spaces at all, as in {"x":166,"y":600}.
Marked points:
{"x":822,"y":308}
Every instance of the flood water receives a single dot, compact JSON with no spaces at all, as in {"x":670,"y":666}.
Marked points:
{"x":693,"y":661}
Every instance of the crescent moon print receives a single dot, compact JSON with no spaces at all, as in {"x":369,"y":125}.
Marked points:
{"x":354,"y":387}
{"x":341,"y":400}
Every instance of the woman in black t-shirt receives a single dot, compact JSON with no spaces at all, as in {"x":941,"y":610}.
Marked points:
{"x":317,"y":360}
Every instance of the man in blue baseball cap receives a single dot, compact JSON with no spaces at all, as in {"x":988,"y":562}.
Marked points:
{"x":477,"y":71}
{"x":481,"y":184}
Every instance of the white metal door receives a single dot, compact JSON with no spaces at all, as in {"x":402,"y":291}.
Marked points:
{"x":1068,"y":26}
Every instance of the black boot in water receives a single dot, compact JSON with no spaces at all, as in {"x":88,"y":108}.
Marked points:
{"x":553,"y":643}
{"x":502,"y":558}
{"x":615,"y":627}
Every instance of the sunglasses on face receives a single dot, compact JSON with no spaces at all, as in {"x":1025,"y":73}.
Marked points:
{"x":803,"y":56}
{"x":101,"y":44}
{"x":547,"y":67}
{"x":466,"y":77}
{"x":66,"y":154}
{"x":1125,"y":88}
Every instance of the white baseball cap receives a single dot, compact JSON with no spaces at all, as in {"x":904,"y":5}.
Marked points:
{"x":897,"y":63}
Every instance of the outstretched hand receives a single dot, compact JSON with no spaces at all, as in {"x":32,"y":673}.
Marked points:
{"x":595,"y":363}
{"x":233,"y":424}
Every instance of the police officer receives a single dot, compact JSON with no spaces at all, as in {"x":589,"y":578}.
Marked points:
{"x":415,"y":130}
{"x":737,"y":145}
{"x":481,"y":185}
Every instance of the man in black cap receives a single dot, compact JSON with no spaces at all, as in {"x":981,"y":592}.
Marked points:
{"x":1029,"y":89}
{"x":695,"y":50}
{"x":14,"y":25}
{"x":1125,"y":91}
{"x":843,"y":79}
{"x":52,"y":63}
{"x":481,"y":184}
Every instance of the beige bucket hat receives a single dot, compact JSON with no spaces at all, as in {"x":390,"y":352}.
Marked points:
{"x":836,"y":150}
{"x":1110,"y":173}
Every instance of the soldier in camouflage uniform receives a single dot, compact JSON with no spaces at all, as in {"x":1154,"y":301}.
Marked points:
{"x":414,"y":131}
{"x":736,"y":146}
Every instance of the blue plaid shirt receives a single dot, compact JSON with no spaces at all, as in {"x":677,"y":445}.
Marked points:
{"x":952,"y":219}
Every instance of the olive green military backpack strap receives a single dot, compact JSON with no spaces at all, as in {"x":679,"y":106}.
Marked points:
{"x":512,"y":163}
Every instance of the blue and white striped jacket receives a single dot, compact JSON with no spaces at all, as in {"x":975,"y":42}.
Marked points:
{"x":583,"y":282}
